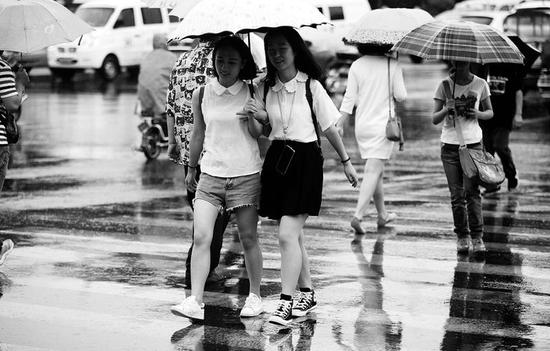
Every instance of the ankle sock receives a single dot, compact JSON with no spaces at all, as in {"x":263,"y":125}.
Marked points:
{"x":306,"y":290}
{"x":286,"y":297}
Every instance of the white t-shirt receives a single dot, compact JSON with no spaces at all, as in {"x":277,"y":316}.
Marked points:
{"x":229,"y":149}
{"x":290,"y":99}
{"x":470,"y":94}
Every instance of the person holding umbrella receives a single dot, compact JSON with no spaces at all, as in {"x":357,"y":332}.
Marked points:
{"x":292,"y":102}
{"x":231,"y":167}
{"x":459,"y":102}
{"x":462,"y":99}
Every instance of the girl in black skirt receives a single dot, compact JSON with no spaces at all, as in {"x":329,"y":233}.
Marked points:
{"x":293,"y":102}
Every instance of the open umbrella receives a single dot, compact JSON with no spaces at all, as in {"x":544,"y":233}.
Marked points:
{"x":168,"y":4}
{"x":29,"y":25}
{"x":242,"y":16}
{"x":386,"y":26}
{"x":529,"y":52}
{"x":459,"y":41}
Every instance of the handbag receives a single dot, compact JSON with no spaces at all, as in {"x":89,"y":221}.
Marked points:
{"x":12,"y":130}
{"x":477,"y":164}
{"x":394,"y":130}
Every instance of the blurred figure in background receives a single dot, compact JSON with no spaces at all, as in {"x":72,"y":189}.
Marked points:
{"x":154,"y":75}
{"x":505,"y":84}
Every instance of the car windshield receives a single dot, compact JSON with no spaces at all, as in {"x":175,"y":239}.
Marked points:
{"x":478,"y":19}
{"x":95,"y":17}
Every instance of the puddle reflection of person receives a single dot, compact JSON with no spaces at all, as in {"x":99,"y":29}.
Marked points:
{"x":373,"y":329}
{"x":488,"y":293}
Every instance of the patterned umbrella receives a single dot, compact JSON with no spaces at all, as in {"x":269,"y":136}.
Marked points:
{"x":168,"y":4}
{"x":29,"y":25}
{"x":459,"y":41}
{"x":242,"y":16}
{"x":386,"y":26}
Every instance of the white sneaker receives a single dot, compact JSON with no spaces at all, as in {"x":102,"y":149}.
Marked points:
{"x":253,"y":306}
{"x":7,"y":247}
{"x":189,"y":308}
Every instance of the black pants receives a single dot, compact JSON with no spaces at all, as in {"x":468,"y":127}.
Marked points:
{"x":497,"y":139}
{"x":217,"y":238}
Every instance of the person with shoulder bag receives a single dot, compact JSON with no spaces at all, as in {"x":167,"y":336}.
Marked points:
{"x":375,"y":82}
{"x":469,"y":102}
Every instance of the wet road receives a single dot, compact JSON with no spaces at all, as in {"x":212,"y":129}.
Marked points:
{"x":102,"y":235}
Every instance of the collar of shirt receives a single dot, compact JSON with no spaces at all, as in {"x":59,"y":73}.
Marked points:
{"x":233,"y":90}
{"x":291,"y":85}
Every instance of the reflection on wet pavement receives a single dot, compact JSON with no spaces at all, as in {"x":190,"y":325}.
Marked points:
{"x":102,"y":236}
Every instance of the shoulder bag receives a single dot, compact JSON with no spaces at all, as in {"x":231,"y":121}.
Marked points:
{"x":477,"y":165}
{"x":394,"y":130}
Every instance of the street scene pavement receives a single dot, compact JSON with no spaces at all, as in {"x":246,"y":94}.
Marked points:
{"x":102,"y":236}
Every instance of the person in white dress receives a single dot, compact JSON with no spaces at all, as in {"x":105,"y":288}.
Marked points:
{"x":369,"y":91}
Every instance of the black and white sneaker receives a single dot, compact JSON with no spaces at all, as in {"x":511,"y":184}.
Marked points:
{"x":305,"y":303}
{"x":283,"y":313}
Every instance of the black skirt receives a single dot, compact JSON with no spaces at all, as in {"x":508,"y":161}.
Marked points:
{"x":299,"y":191}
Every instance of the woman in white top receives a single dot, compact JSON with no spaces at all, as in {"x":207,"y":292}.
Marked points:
{"x":368,"y":89}
{"x":292,"y":174}
{"x":459,"y":105}
{"x":231,"y":165}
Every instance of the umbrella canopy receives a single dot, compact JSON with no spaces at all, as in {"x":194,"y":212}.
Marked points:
{"x":386,"y":26}
{"x":182,"y":7}
{"x":29,"y":25}
{"x":529,"y":52}
{"x":459,"y":41}
{"x":168,"y":4}
{"x":242,"y":16}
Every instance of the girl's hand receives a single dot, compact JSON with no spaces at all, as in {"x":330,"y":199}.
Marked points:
{"x":351,"y":174}
{"x":173,"y":152}
{"x":190,"y":181}
{"x":472,"y":113}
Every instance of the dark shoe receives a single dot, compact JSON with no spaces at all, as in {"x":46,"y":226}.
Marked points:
{"x":513,"y":184}
{"x":463,"y":245}
{"x":356,"y":225}
{"x":305,"y":303}
{"x":488,"y":191}
{"x":283,"y":313}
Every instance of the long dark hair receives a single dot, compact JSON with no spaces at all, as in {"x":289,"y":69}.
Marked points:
{"x":249,"y":69}
{"x":303,"y":59}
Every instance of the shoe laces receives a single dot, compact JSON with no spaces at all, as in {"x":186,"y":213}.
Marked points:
{"x":306,"y":298}
{"x":283,"y":309}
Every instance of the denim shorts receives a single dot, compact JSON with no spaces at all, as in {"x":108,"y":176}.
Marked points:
{"x":229,"y":194}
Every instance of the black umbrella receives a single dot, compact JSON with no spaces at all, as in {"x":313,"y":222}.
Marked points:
{"x":531,"y":54}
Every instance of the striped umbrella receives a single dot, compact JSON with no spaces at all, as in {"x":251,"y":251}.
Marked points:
{"x":459,"y":41}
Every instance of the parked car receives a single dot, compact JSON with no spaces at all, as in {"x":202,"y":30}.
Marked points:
{"x":123,"y":35}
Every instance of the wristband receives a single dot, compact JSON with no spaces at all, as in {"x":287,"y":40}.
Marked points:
{"x":346,"y":160}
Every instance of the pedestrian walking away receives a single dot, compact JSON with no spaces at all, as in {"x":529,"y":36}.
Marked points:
{"x":459,"y":101}
{"x":375,"y":82}
{"x":290,"y":102}
{"x":231,"y":170}
{"x":505,"y":84}
{"x":192,"y":70}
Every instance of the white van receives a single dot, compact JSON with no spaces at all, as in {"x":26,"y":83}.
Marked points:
{"x":123,"y":34}
{"x":342,"y":14}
